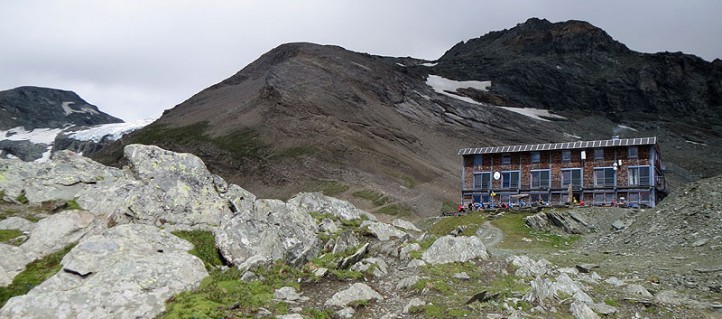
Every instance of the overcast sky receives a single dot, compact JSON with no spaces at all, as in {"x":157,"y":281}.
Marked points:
{"x":135,"y":58}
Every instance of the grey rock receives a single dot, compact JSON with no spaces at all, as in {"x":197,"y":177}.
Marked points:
{"x":380,"y":268}
{"x":407,"y":282}
{"x":13,"y":262}
{"x":527,"y":267}
{"x":415,"y":302}
{"x":383,"y":231}
{"x":18,"y":223}
{"x":249,"y":276}
{"x":347,"y":312}
{"x":581,"y":310}
{"x":614,"y":281}
{"x":126,"y":272}
{"x":356,"y":257}
{"x":288,"y":316}
{"x":416,"y":263}
{"x":57,"y":231}
{"x":619,"y":225}
{"x":403,"y":224}
{"x":357,"y":292}
{"x":286,"y":294}
{"x":536,"y":221}
{"x":270,"y":231}
{"x":541,"y":291}
{"x":320,"y":272}
{"x":449,"y":249}
{"x":328,"y":226}
{"x":637,"y":290}
{"x":700,"y":242}
{"x":344,"y":242}
{"x":462,"y":276}
{"x":177,"y":187}
{"x":317,"y":202}
{"x":604,"y":309}
{"x":405,"y":251}
{"x":565,"y":284}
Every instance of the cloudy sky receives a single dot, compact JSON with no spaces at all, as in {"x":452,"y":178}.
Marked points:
{"x":135,"y":58}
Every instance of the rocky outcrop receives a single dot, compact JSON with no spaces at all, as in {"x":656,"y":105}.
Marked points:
{"x":450,"y":249}
{"x":126,"y":272}
{"x":383,"y":231}
{"x":36,"y":107}
{"x":317,"y":202}
{"x":569,"y":221}
{"x":272,"y":230}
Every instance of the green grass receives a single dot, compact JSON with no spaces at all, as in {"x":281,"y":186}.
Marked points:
{"x":72,"y":204}
{"x":374,"y":197}
{"x":470,"y":222}
{"x":395,"y":210}
{"x":244,"y":144}
{"x":294,"y":152}
{"x":329,"y":187}
{"x":204,"y":247}
{"x":516,"y":234}
{"x":8,"y":234}
{"x":35,"y":273}
{"x":22,"y":199}
{"x":449,"y":206}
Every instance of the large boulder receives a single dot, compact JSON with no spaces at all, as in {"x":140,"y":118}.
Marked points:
{"x":358,"y":292}
{"x":49,"y":235}
{"x":382,"y":231}
{"x":177,"y":187}
{"x":270,"y":231}
{"x":450,"y":249}
{"x":317,"y":202}
{"x":126,"y":272}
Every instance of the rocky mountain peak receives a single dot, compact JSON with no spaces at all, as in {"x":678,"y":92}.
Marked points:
{"x":37,"y":107}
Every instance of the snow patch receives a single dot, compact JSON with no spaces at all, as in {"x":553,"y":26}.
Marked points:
{"x":67,"y":109}
{"x":537,"y":114}
{"x":696,"y":143}
{"x":627,"y":128}
{"x":400,"y":64}
{"x":429,"y":64}
{"x":46,"y":156}
{"x":361,"y":66}
{"x":84,"y":109}
{"x":445,"y":86}
{"x":573,"y":136}
{"x":114,"y":131}
{"x":38,"y":135}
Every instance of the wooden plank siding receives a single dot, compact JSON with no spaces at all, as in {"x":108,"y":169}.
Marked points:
{"x":550,"y":158}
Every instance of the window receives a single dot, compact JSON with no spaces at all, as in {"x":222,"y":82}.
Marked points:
{"x":604,"y":177}
{"x":477,"y":160}
{"x":598,"y":153}
{"x":639,"y":176}
{"x":566,"y":155}
{"x":505,"y":159}
{"x":633,"y":152}
{"x":510,"y":179}
{"x":540,"y":179}
{"x":602,"y":198}
{"x":535,"y":157}
{"x":572,"y":176}
{"x":539,"y":197}
{"x":482,"y":180}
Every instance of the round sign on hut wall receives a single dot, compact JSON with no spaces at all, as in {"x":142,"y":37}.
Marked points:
{"x":497,"y":175}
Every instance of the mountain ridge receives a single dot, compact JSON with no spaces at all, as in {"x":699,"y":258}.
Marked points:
{"x":304,"y":114}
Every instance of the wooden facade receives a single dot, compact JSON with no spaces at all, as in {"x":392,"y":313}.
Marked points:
{"x":604,"y":172}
